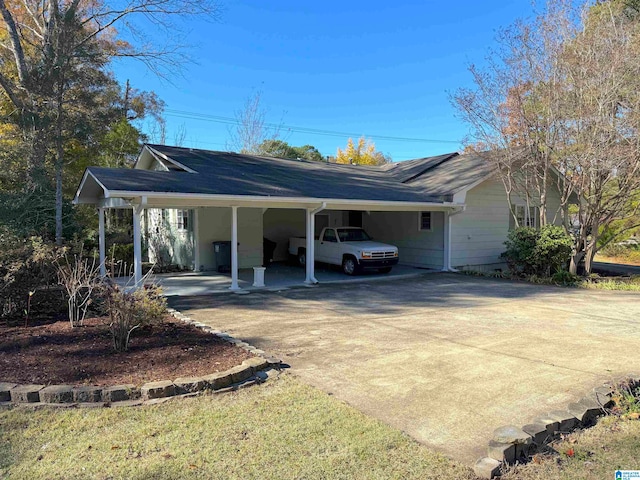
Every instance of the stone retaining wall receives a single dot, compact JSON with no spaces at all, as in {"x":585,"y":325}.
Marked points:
{"x":511,"y":444}
{"x":251,"y":371}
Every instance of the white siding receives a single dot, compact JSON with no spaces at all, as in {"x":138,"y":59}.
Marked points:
{"x":553,"y":205}
{"x":175,"y":246}
{"x":478,"y":233}
{"x":214,"y":224}
{"x":416,"y":248}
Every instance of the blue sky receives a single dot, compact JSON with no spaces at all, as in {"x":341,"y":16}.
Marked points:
{"x":356,"y":67}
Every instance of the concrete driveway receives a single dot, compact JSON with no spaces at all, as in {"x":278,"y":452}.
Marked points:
{"x":446,"y":358}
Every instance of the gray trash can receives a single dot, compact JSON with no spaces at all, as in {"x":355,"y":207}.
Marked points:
{"x":222,"y":252}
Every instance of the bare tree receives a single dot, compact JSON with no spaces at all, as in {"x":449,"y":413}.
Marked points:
{"x":600,"y":155}
{"x":514,"y":109}
{"x":180,"y":136}
{"x":251,"y":127}
{"x":557,"y":107}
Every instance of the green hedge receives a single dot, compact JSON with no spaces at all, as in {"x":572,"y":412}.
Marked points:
{"x":538,"y":252}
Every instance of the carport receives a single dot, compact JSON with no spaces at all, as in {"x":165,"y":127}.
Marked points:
{"x":176,"y":178}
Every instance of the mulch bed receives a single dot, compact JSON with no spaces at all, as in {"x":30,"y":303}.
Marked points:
{"x":55,"y":353}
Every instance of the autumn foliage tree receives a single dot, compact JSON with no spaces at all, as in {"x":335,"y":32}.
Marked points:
{"x":54,"y":71}
{"x":557,"y":106}
{"x":362,"y":153}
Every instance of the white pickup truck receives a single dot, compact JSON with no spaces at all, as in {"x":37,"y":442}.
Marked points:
{"x":349,"y":247}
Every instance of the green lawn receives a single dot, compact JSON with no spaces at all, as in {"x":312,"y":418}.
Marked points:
{"x":281,"y":430}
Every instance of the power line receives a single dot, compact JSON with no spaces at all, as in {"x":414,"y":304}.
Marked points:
{"x":197,"y":143}
{"x":311,"y":131}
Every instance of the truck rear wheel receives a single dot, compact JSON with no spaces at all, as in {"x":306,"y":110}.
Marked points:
{"x":302,"y":257}
{"x":350,"y":265}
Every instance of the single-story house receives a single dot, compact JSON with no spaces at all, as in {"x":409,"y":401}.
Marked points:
{"x":444,"y":212}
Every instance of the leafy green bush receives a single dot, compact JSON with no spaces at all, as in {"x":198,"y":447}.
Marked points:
{"x":537,"y":252}
{"x":120,"y":252}
{"x":563,"y":277}
{"x":520,"y":253}
{"x":553,"y":249}
{"x":129,"y":310}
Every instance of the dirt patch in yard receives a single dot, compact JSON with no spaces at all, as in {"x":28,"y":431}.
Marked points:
{"x":55,"y":353}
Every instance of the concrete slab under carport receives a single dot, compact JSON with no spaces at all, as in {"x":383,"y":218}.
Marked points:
{"x":278,"y":276}
{"x":446,"y":358}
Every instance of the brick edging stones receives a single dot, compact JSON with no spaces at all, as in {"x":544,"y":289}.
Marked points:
{"x":250,"y":372}
{"x":511,"y":444}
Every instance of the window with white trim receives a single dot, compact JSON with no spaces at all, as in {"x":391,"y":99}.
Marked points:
{"x":424,"y":221}
{"x":183,"y":219}
{"x":524,"y":220}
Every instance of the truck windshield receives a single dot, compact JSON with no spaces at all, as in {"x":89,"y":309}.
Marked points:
{"x":353,"y":235}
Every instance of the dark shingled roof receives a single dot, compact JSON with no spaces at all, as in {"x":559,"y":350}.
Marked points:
{"x":428,"y":180}
{"x":455,"y":174}
{"x":409,"y":169}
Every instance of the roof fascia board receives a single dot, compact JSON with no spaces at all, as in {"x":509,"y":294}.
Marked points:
{"x":87,"y":173}
{"x":162,"y":156}
{"x":264,"y":199}
{"x":144,"y":147}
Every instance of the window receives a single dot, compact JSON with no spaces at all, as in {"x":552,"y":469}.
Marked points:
{"x":524,"y":220}
{"x":424,"y":221}
{"x":353,"y":235}
{"x":183,"y":219}
{"x":329,"y":235}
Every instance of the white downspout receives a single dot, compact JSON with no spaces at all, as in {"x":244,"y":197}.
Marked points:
{"x":447,"y":239}
{"x":311,"y":254}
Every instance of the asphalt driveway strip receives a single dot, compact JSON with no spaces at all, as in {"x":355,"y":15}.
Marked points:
{"x":447,"y":358}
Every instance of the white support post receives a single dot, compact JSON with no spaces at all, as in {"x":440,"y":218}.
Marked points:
{"x":101,"y":243}
{"x":196,"y":239}
{"x":309,"y":258}
{"x":137,"y":246}
{"x":447,"y":242}
{"x":234,"y":249}
{"x":311,"y":245}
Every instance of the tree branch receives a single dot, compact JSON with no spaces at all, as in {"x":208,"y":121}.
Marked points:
{"x":6,"y":86}
{"x":14,"y":36}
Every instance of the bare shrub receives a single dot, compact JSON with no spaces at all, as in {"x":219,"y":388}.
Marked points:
{"x":129,"y":310}
{"x":81,"y":279}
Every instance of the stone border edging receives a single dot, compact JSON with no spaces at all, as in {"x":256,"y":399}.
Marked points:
{"x":250,"y":372}
{"x":511,"y":444}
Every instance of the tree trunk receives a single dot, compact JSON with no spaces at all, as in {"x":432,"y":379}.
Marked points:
{"x":59,"y":163}
{"x":58,"y":202}
{"x":575,"y":261}
{"x":588,"y":259}
{"x":36,"y":170}
{"x":591,"y":247}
